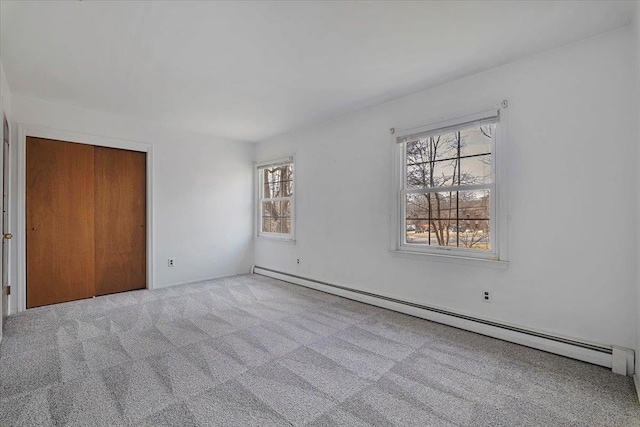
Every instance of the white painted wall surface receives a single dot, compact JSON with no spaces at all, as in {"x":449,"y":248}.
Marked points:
{"x":571,"y":196}
{"x":202,"y":190}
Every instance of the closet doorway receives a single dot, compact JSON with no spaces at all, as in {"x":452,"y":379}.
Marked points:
{"x":86,"y":230}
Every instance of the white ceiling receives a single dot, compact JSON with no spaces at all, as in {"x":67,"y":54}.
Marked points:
{"x":251,"y":70}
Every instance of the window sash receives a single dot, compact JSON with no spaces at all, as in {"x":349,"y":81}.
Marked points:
{"x":288,"y":161}
{"x":421,"y":247}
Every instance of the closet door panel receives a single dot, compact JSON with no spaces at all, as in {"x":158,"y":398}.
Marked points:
{"x":60,"y":221}
{"x":120,"y":218}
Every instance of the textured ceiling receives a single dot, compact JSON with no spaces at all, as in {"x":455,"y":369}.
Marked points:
{"x":251,"y":70}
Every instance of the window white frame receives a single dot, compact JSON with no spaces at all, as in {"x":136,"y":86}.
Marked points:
{"x":288,"y":160}
{"x":497,"y":255}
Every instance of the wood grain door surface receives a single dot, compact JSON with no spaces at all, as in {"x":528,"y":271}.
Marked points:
{"x":120,"y":217}
{"x":60,"y":222}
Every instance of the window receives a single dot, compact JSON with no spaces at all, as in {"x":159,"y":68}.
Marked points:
{"x":276,"y":201}
{"x":448,"y":202}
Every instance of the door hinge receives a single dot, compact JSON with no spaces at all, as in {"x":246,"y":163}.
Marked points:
{"x":8,"y":290}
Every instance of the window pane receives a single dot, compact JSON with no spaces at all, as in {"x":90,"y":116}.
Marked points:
{"x":445,"y":173}
{"x":418,"y":157}
{"x":475,"y":170}
{"x":267,"y":224}
{"x":475,"y":204}
{"x":477,"y":140}
{"x":429,"y":218}
{"x":417,"y":221}
{"x":276,"y":217}
{"x":285,"y":217}
{"x":454,"y":219}
{"x":433,"y":148}
{"x":270,"y":217}
{"x":437,"y":173}
{"x":268,"y":209}
{"x":475,"y":235}
{"x":418,"y":176}
{"x":431,"y":162}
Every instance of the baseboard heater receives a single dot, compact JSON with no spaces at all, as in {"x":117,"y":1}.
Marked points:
{"x":619,"y":359}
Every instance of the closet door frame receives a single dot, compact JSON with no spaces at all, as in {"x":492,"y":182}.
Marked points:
{"x":25,"y":131}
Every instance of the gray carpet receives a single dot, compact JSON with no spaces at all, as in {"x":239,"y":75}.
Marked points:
{"x":253,"y":351}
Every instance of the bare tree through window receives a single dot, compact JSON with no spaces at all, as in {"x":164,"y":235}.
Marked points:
{"x":448,"y":188}
{"x":276,"y":198}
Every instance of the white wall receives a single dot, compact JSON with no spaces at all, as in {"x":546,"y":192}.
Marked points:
{"x":201,"y":190}
{"x":571,"y":188}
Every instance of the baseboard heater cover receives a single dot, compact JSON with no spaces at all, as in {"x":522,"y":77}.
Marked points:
{"x":599,"y":354}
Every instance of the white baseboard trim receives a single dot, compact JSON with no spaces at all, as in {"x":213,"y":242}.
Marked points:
{"x":595,"y":353}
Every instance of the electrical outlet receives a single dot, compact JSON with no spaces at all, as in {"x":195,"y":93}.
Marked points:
{"x":170,"y":262}
{"x":298,"y":261}
{"x":486,"y":296}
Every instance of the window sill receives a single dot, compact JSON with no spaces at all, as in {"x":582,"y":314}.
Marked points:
{"x":454,"y":259}
{"x":275,"y":240}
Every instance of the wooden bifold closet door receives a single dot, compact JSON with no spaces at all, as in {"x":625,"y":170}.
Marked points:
{"x":86,"y":216}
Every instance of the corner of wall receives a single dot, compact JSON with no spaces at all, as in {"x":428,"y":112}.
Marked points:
{"x":5,"y":91}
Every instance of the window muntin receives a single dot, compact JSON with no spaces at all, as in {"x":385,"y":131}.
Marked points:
{"x":275,"y":188}
{"x":448,"y":200}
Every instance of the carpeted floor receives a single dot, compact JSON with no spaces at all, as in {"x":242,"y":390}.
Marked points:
{"x":253,"y":351}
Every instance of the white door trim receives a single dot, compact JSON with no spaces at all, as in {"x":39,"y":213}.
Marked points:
{"x":24,"y":131}
{"x":8,"y":243}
